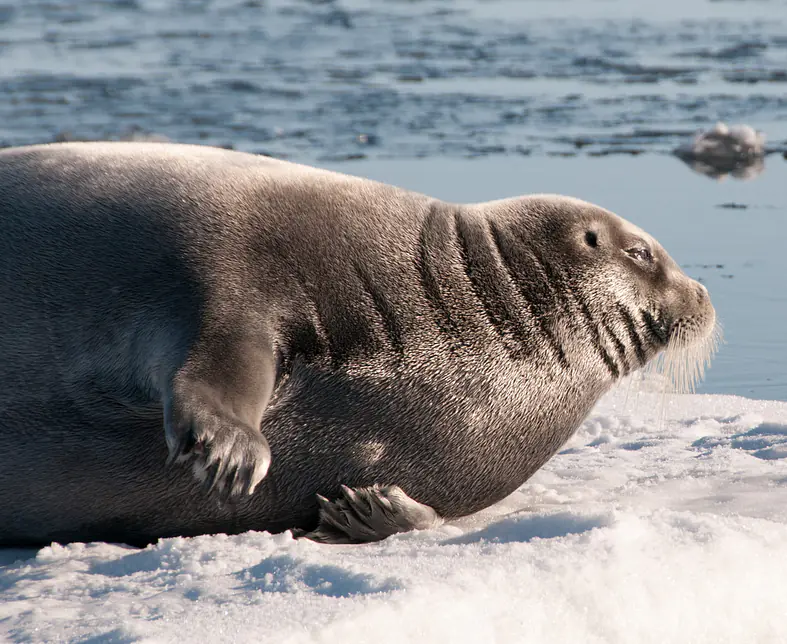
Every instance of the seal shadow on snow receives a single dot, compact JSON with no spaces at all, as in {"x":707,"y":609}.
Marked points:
{"x":148,"y":560}
{"x":285,"y":574}
{"x":635,"y":446}
{"x":116,"y":636}
{"x":767,"y":441}
{"x":525,"y":528}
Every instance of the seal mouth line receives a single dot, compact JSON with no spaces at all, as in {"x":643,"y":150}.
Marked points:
{"x":511,"y":263}
{"x":483,"y":274}
{"x":631,"y":329}
{"x":389,"y":318}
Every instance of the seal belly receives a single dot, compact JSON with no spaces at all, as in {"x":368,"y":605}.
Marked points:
{"x":452,"y":437}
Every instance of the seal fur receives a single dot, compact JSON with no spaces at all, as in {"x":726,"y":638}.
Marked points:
{"x":279,"y":331}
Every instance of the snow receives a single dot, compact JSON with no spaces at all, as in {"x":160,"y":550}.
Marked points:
{"x":663,"y":520}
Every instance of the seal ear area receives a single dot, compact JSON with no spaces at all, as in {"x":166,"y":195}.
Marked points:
{"x":591,"y":238}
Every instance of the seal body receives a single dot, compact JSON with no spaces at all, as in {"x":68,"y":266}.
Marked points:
{"x":275,"y":331}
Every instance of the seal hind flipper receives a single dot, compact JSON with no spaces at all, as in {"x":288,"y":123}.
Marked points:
{"x":370,"y":514}
{"x":213,"y":414}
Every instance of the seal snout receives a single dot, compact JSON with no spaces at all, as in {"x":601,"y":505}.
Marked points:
{"x":692,"y":338}
{"x":694,"y":319}
{"x":703,"y":297}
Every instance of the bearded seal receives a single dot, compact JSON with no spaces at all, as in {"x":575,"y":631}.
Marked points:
{"x":324,"y":353}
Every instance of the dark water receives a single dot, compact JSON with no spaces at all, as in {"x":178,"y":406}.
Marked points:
{"x":466,"y":100}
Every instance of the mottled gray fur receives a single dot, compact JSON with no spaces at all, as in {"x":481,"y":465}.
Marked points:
{"x":277,"y":331}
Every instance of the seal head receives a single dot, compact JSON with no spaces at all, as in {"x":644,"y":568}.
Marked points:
{"x":616,"y":295}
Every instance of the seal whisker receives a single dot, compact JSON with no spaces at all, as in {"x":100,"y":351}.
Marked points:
{"x":685,"y":358}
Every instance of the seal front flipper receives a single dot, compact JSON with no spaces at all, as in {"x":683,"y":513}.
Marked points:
{"x":370,"y":514}
{"x":213,"y":411}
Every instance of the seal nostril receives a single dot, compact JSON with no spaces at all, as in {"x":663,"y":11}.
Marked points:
{"x":702,"y":293}
{"x":591,"y":239}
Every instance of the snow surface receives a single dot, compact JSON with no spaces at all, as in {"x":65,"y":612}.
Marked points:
{"x":662,"y":520}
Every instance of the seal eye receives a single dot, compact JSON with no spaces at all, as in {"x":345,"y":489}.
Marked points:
{"x":642,"y":254}
{"x":591,"y":239}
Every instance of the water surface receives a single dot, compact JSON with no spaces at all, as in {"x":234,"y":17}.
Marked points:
{"x":327,"y":80}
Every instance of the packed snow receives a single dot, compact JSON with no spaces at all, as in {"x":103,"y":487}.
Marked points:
{"x":663,"y":520}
